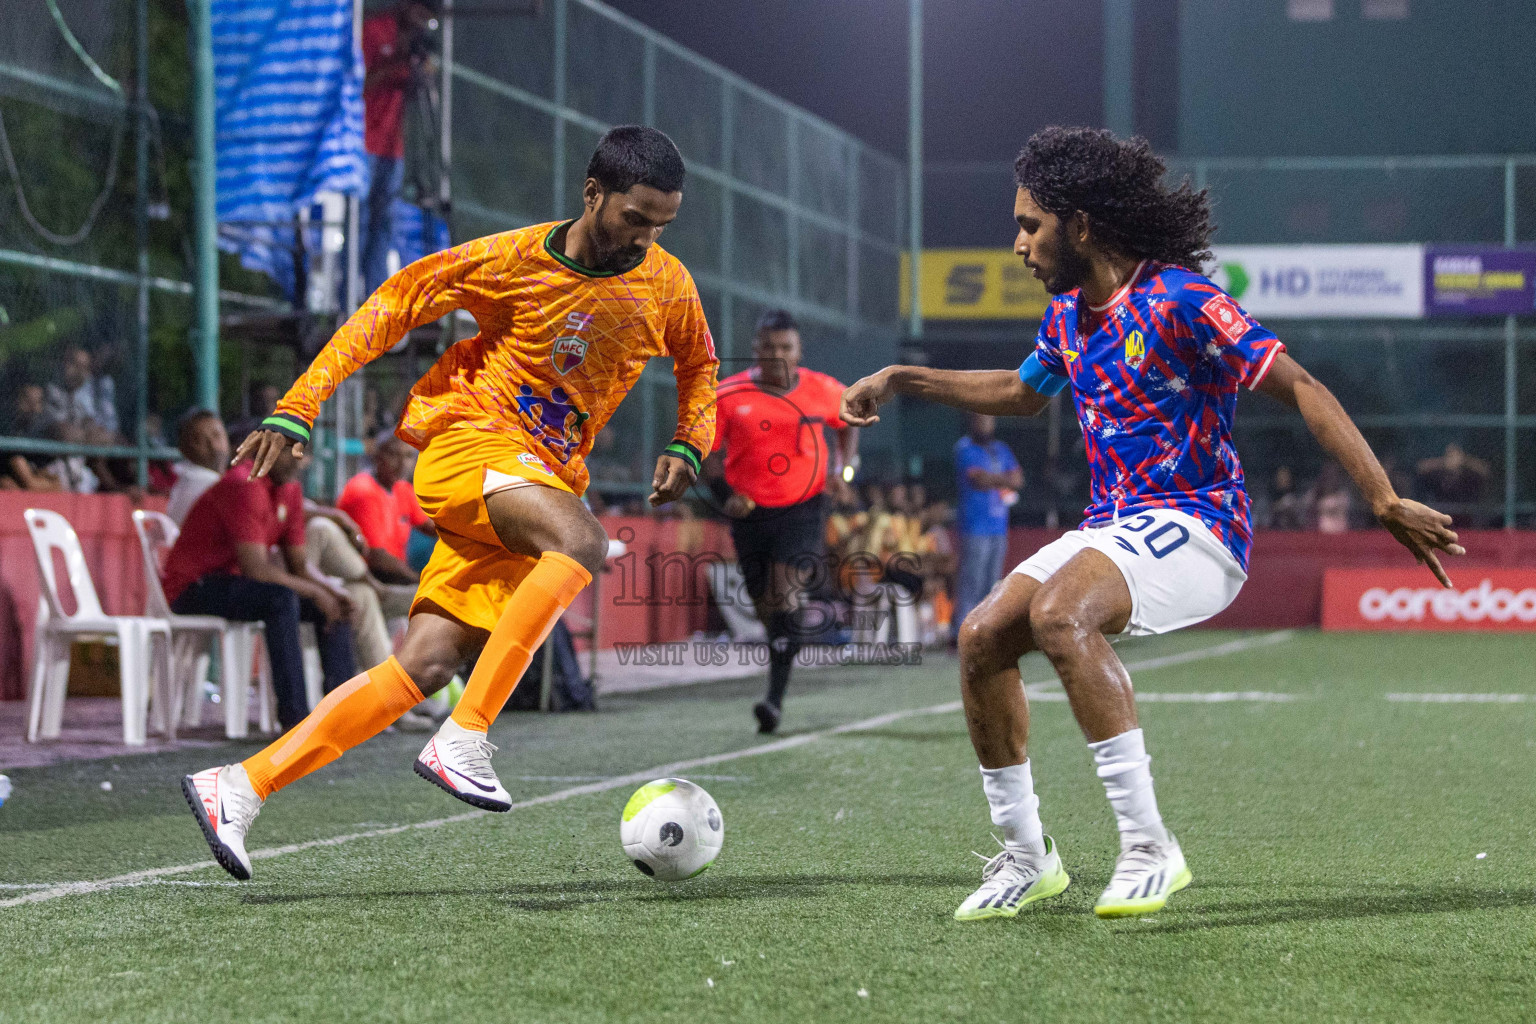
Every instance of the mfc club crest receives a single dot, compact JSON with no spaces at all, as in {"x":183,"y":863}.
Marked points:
{"x":571,"y":349}
{"x":569,"y":353}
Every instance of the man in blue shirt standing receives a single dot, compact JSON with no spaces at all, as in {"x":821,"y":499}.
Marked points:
{"x":989,"y":482}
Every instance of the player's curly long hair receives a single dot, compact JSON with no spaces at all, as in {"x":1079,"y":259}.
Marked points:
{"x":1119,"y":185}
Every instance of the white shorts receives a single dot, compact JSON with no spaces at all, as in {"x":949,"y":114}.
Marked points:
{"x":1177,"y":571}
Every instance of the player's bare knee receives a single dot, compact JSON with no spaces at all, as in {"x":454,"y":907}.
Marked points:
{"x":1057,"y":626}
{"x":586,"y":542}
{"x":430,"y":668}
{"x":986,"y":644}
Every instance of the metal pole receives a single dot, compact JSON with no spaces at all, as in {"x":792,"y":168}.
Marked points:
{"x":1511,"y":363}
{"x":854,"y":214}
{"x":1119,"y":60}
{"x":445,"y":159}
{"x":648,"y":82}
{"x":141,"y":232}
{"x":915,"y":164}
{"x":1509,"y":202}
{"x":727,"y":349}
{"x":204,"y":172}
{"x":445,"y":115}
{"x":1511,"y":403}
{"x":354,"y":298}
{"x":792,"y":154}
{"x":557,"y":186}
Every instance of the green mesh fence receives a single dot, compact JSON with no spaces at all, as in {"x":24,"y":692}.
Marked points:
{"x":105,"y":347}
{"x":780,"y":210}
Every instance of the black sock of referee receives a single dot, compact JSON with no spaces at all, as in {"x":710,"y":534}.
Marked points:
{"x":783,"y":645}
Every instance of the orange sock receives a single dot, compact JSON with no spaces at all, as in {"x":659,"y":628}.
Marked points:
{"x":356,"y":711}
{"x":543,"y":595}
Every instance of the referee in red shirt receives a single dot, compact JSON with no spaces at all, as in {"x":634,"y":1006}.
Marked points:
{"x":771,"y":420}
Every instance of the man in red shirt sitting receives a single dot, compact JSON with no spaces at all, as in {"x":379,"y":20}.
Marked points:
{"x":220,"y":565}
{"x":771,"y":422}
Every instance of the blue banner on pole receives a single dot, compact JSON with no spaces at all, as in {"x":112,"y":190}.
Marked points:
{"x":289,"y":94}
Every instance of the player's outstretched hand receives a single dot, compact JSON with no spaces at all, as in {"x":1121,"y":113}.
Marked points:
{"x":264,"y":446}
{"x":1423,"y":531}
{"x":863,"y":397}
{"x":672,"y":480}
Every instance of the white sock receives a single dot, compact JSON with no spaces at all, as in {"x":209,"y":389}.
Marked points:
{"x":1015,"y":808}
{"x":1126,"y":770}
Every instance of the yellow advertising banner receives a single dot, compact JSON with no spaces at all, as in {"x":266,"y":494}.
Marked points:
{"x":975,"y":284}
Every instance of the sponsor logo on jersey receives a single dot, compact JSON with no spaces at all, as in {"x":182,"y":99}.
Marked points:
{"x":1135,"y":350}
{"x":553,"y":420}
{"x":535,"y":463}
{"x":1226,"y":317}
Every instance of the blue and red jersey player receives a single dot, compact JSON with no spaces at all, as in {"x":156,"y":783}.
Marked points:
{"x":1155,"y":374}
{"x":1155,"y":355}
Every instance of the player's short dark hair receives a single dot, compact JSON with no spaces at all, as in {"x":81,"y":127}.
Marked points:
{"x":1119,"y":184}
{"x":190,"y":419}
{"x":631,"y":155}
{"x":776,"y":320}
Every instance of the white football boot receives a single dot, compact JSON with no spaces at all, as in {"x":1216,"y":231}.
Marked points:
{"x":459,"y":760}
{"x":1011,"y":881}
{"x":1145,"y":876}
{"x":224,"y":804}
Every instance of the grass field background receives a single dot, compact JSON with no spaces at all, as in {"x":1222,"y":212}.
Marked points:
{"x":1334,"y":840}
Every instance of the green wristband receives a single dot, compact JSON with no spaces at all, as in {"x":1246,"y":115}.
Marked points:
{"x":288,"y":425}
{"x":685,"y":451}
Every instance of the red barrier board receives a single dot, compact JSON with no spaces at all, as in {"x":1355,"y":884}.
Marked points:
{"x":1488,"y":599}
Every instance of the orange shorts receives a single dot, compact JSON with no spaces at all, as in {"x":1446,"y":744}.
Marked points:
{"x":471,"y":575}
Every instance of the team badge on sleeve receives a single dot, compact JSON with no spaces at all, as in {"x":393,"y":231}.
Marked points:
{"x":1227,"y":318}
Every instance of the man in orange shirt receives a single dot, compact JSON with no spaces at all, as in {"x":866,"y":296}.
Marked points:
{"x":569,"y":313}
{"x":772,"y":421}
{"x":384,"y":506}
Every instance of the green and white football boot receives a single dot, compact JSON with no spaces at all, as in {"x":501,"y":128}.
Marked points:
{"x":1145,"y":876}
{"x":1011,"y":882}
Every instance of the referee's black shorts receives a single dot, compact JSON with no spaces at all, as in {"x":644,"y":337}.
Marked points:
{"x":795,"y":535}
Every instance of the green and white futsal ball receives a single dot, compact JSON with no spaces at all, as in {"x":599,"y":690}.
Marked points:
{"x":672,"y":829}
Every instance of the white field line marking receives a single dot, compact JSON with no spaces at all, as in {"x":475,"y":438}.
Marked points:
{"x":1462,"y":698}
{"x":135,"y":878}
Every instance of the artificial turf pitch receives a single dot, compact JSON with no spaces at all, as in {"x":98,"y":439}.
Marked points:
{"x":1334,"y":840}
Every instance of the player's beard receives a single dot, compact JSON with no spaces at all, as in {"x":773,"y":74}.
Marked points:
{"x":1072,"y":267}
{"x":609,"y":255}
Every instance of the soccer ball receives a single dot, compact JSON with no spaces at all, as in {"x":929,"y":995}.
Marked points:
{"x":671,"y":829}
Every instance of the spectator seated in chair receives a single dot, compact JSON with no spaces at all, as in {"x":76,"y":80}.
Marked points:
{"x":204,"y":447}
{"x":28,"y":471}
{"x":221,"y":565}
{"x":81,"y":396}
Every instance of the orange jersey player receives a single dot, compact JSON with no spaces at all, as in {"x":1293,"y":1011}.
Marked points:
{"x":568,"y":313}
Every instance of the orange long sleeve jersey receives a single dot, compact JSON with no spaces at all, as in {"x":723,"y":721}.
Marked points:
{"x":559,"y":347}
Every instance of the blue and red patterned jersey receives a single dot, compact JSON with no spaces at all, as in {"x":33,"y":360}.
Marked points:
{"x":1154,"y":375}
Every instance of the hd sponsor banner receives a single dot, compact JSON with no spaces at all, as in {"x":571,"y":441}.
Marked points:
{"x":1343,"y":281}
{"x":1473,"y":280}
{"x":1500,"y":599}
{"x":975,"y":284}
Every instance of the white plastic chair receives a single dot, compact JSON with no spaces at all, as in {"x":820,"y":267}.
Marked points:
{"x":143,"y":642}
{"x":242,"y":647}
